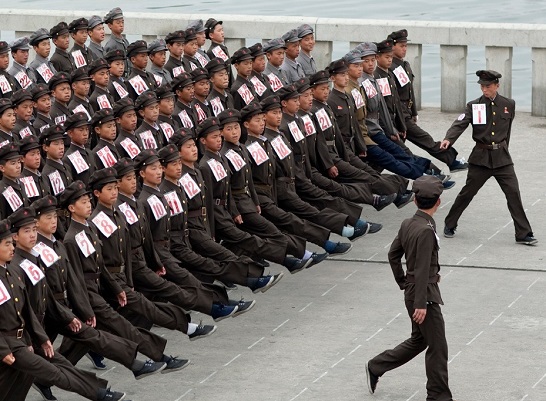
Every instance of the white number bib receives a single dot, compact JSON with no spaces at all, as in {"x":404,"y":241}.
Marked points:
{"x":295,"y":131}
{"x":60,"y":120}
{"x":218,"y":52}
{"x":31,"y":189}
{"x":34,"y":273}
{"x":78,"y":162}
{"x":217,"y":106}
{"x":5,"y":87}
{"x":106,"y":157}
{"x":401,"y":76}
{"x":258,"y":153}
{"x":14,"y":200}
{"x":384,"y":86}
{"x":57,"y":184}
{"x":185,"y":119}
{"x":236,"y":160}
{"x":84,"y":244}
{"x":201,"y":115}
{"x":138,"y":84}
{"x":122,"y":92}
{"x":45,"y":72}
{"x":103,"y":102}
{"x":280,"y":147}
{"x":25,"y":132}
{"x":80,"y":109}
{"x":4,"y":294}
{"x":218,"y":169}
{"x":308,"y":124}
{"x":174,"y":203}
{"x":259,"y":87}
{"x":130,"y":215}
{"x":177,"y":71}
{"x":158,"y":209}
{"x":148,"y":140}
{"x":357,"y":97}
{"x":478,"y":114}
{"x":23,"y":79}
{"x":323,"y":119}
{"x":4,"y":143}
{"x":245,"y":94}
{"x":167,"y":129}
{"x":105,"y":225}
{"x":158,"y":79}
{"x":371,"y":92}
{"x":275,"y":82}
{"x":192,"y":66}
{"x":47,"y":254}
{"x":190,"y":186}
{"x":79,"y":60}
{"x":130,"y":147}
{"x":202,"y":59}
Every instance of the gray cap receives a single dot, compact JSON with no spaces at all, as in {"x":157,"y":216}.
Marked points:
{"x":20,"y":44}
{"x":304,"y":30}
{"x":197,"y":25}
{"x":94,"y":21}
{"x":114,"y":13}
{"x":291,"y":36}
{"x":427,"y":186}
{"x":354,"y":57}
{"x":274,"y":44}
{"x":367,"y":48}
{"x":38,"y":36}
{"x":157,"y":46}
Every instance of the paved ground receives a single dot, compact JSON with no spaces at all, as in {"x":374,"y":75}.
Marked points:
{"x":308,"y":338}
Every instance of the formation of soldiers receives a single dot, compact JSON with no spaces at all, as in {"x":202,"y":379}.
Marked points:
{"x":142,"y":181}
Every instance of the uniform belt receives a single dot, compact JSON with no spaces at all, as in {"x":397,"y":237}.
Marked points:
{"x":91,"y":276}
{"x":263,"y":187}
{"x":435,"y":279}
{"x":162,"y":242}
{"x":286,"y":179}
{"x":60,"y":296}
{"x":14,"y":333}
{"x":331,"y":143}
{"x":185,"y":233}
{"x":241,"y":191}
{"x":408,"y":103}
{"x":373,"y":116}
{"x":116,"y":269}
{"x":493,"y":146}
{"x":202,"y":212}
{"x":220,"y":202}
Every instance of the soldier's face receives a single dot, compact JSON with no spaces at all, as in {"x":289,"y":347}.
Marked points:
{"x":276,"y":57}
{"x":293,"y":49}
{"x":321,"y":92}
{"x":26,"y":236}
{"x":306,"y":100}
{"x":97,"y":33}
{"x":188,"y":152}
{"x":47,"y":223}
{"x":152,"y":173}
{"x":341,"y":80}
{"x":176,"y":49}
{"x":128,"y":184}
{"x":150,"y":113}
{"x":108,"y":194}
{"x":140,"y":60}
{"x":11,"y":168}
{"x":258,"y":64}
{"x":82,"y":207}
{"x":117,"y":26}
{"x":256,"y":124}
{"x":107,"y":131}
{"x":159,"y":58}
{"x":101,"y":77}
{"x":273,"y":118}
{"x":7,"y":120}
{"x":62,"y":41}
{"x":355,"y":71}
{"x":201,"y":39}
{"x":43,"y":49}
{"x":62,"y":92}
{"x":128,"y":121}
{"x":308,"y":43}
{"x":220,"y":79}
{"x":490,"y":90}
{"x":117,"y":67}
{"x":55,"y":150}
{"x":202,"y":88}
{"x":4,"y":61}
{"x":81,"y":88}
{"x":24,"y":110}
{"x":232,"y":132}
{"x":244,"y":68}
{"x":186,"y":94}
{"x":166,"y":106}
{"x":368,"y":64}
{"x":213,"y":141}
{"x":400,"y":49}
{"x":43,"y":104}
{"x":32,"y":159}
{"x":217,"y":34}
{"x":173,"y":170}
{"x":79,"y":135}
{"x":190,"y":48}
{"x":20,"y":56}
{"x":80,"y":36}
{"x":6,"y":249}
{"x":384,"y":60}
{"x":291,"y":106}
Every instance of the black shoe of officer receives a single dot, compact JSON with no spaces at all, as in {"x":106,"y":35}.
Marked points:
{"x":105,"y":394}
{"x":371,"y":379}
{"x":403,"y":199}
{"x":449,"y":232}
{"x":150,"y":368}
{"x":45,"y":391}
{"x":380,"y":202}
{"x":529,"y":239}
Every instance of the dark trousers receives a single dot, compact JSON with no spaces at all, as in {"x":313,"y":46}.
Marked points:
{"x":422,"y":139}
{"x":388,"y":155}
{"x":429,"y":335}
{"x":345,"y":187}
{"x":476,"y":178}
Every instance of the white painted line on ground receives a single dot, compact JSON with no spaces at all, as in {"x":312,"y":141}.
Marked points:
{"x":335,"y":364}
{"x":514,"y":301}
{"x":109,"y":370}
{"x":538,"y":200}
{"x":444,"y":277}
{"x":460,"y":261}
{"x":445,"y":204}
{"x":495,"y":319}
{"x":350,"y":275}
{"x":496,"y":232}
{"x":414,"y":394}
{"x":256,"y":342}
{"x":386,"y":246}
{"x":335,"y":285}
{"x":300,"y":393}
{"x":478,"y":247}
{"x":524,"y":397}
{"x":542,"y":378}
{"x":354,"y":349}
{"x":208,"y":377}
{"x":232,"y":360}
{"x":373,"y":335}
{"x":533,"y":283}
{"x":507,"y":223}
{"x":183,"y":395}
{"x":474,"y":339}
{"x":371,"y":257}
{"x":393,"y":319}
{"x":320,"y":377}
{"x":305,"y":307}
{"x":525,"y":210}
{"x":280,"y":325}
{"x":454,"y":356}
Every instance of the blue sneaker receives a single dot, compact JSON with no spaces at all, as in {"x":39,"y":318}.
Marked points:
{"x":243,"y":306}
{"x":316,"y":258}
{"x":202,"y":330}
{"x":341,"y":248}
{"x":264,"y":283}
{"x":174,"y":364}
{"x":295,"y":265}
{"x":97,"y":360}
{"x":448,"y":184}
{"x":221,"y":311}
{"x":360,"y":231}
{"x":150,"y":367}
{"x":458,"y":165}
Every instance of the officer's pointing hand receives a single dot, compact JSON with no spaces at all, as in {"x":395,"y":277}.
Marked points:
{"x":445,"y":144}
{"x":419,"y":315}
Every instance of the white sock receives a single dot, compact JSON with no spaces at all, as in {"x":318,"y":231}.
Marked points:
{"x":348,"y":231}
{"x":191,"y":328}
{"x":307,"y":255}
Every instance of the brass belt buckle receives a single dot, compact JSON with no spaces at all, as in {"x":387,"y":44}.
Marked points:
{"x":410,"y":103}
{"x":203,"y":211}
{"x":20,"y":333}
